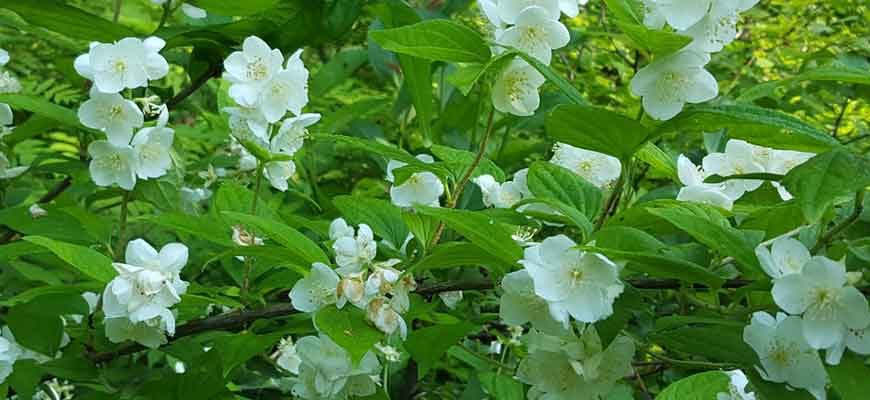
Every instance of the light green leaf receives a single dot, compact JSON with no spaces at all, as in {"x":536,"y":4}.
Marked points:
{"x":826,"y":73}
{"x":348,"y":328}
{"x":200,"y":226}
{"x":756,"y":125}
{"x":596,"y":129}
{"x":429,"y":344}
{"x":458,"y":161}
{"x":658,"y":160}
{"x":703,"y":386}
{"x":439,"y":40}
{"x":459,"y":254}
{"x":304,"y":249}
{"x":849,"y":378}
{"x":825,"y":179}
{"x":42,"y":108}
{"x":88,"y":261}
{"x":383,"y":217}
{"x":466,"y":76}
{"x":658,"y":42}
{"x":490,"y":235}
{"x":630,"y":11}
{"x":554,"y":77}
{"x":67,"y":20}
{"x":547,"y":180}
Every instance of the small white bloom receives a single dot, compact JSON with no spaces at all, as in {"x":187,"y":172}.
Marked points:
{"x":785,"y":355}
{"x":519,"y":304}
{"x":112,"y":164}
{"x":716,"y":29}
{"x":510,"y":10}
{"x":786,"y":256}
{"x":681,"y":14}
{"x":737,"y":382}
{"x":596,"y":168}
{"x":286,"y":356}
{"x":829,"y":307}
{"x":327,"y":372}
{"x":151,"y":333}
{"x":152,"y":147}
{"x":498,"y":195}
{"x":179,"y":367}
{"x":536,"y":34}
{"x":4,"y":57}
{"x":112,"y":114}
{"x":737,"y":159}
{"x":36,"y":211}
{"x":422,"y":188}
{"x":6,"y":116}
{"x":491,"y":12}
{"x":244,"y":238}
{"x":857,"y":340}
{"x":316,"y":290}
{"x":451,"y":299}
{"x":251,"y":69}
{"x":696,"y":190}
{"x":7,"y":172}
{"x":278,"y":172}
{"x":247,"y":122}
{"x":385,"y":317}
{"x":291,"y":134}
{"x":351,"y":288}
{"x":9,"y":83}
{"x":515,"y":91}
{"x":571,"y":8}
{"x":8,"y":355}
{"x":192,"y":11}
{"x":339,"y":228}
{"x":668,"y":83}
{"x":576,"y":283}
{"x":287,"y":90}
{"x":390,"y":353}
{"x":128,"y":64}
{"x":352,"y":254}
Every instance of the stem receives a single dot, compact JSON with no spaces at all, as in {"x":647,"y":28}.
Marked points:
{"x":829,"y":236}
{"x":117,"y":11}
{"x":839,"y":120}
{"x":122,"y":225}
{"x":257,"y":187}
{"x":249,"y":261}
{"x":195,"y":84}
{"x":690,"y":364}
{"x":167,"y":9}
{"x":460,"y":186}
{"x":613,"y":200}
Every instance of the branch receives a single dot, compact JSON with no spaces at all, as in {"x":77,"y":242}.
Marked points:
{"x":843,"y":225}
{"x":213,"y":71}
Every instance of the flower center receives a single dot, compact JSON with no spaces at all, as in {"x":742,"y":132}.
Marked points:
{"x":257,"y":69}
{"x":515,"y":84}
{"x":119,"y":65}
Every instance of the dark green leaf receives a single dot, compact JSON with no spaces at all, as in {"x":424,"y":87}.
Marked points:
{"x":596,"y":129}
{"x":67,"y":20}
{"x":348,"y":328}
{"x":490,"y":235}
{"x":428,"y":345}
{"x":88,"y":261}
{"x":826,"y":178}
{"x":305,"y":250}
{"x":547,"y":180}
{"x":439,"y":40}
{"x":702,"y":386}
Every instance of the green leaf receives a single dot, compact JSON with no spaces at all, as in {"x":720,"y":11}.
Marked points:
{"x":466,"y":76}
{"x":339,"y":68}
{"x":596,"y":129}
{"x":554,"y":77}
{"x":825,"y":179}
{"x":548,"y":180}
{"x":200,"y":226}
{"x":458,"y":161}
{"x":88,"y":261}
{"x":718,"y":343}
{"x":710,"y":228}
{"x":348,"y":328}
{"x":658,"y":42}
{"x":428,"y":345}
{"x":662,"y":266}
{"x":573,"y":215}
{"x":67,"y":20}
{"x":658,"y":160}
{"x":37,"y":325}
{"x":438,"y":40}
{"x":232,"y":196}
{"x":756,"y":125}
{"x":703,"y":386}
{"x":826,"y":73}
{"x":238,"y":8}
{"x":383,"y":217}
{"x":237,"y":349}
{"x":304,"y":249}
{"x":849,"y":378}
{"x":372,"y":146}
{"x":421,"y":226}
{"x":25,"y":378}
{"x":490,"y":235}
{"x":626,"y":10}
{"x":501,"y":386}
{"x":459,"y":254}
{"x":42,"y":108}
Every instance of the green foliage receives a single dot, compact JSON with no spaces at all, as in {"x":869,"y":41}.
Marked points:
{"x":705,"y":385}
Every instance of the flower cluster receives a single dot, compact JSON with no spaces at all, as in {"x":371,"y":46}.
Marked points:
{"x":8,"y":84}
{"x":825,"y":313}
{"x":124,"y":157}
{"x":137,"y":302}
{"x":374,"y":287}
{"x":506,"y":194}
{"x":669,"y":82}
{"x":265,"y":88}
{"x":534,"y":28}
{"x":739,"y":158}
{"x":420,"y":188}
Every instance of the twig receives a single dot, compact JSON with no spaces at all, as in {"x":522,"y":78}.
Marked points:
{"x":117,"y":12}
{"x":249,"y":263}
{"x":839,"y":120}
{"x":641,"y":384}
{"x":843,"y":225}
{"x":122,"y":225}
{"x":213,"y":71}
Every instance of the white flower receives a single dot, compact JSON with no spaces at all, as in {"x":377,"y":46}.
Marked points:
{"x":148,"y":283}
{"x":286,"y":356}
{"x":390,"y":353}
{"x":6,"y":116}
{"x":785,"y":354}
{"x":515,"y":91}
{"x":857,"y":340}
{"x":737,"y":382}
{"x":152,"y":147}
{"x":652,"y":15}
{"x":581,"y":284}
{"x":596,"y":168}
{"x":351,"y":288}
{"x":682,"y":14}
{"x":8,"y":355}
{"x":7,"y":172}
{"x":247,"y":122}
{"x":668,"y":83}
{"x":497,"y":195}
{"x":696,"y":190}
{"x":8,"y":83}
{"x":150,"y":333}
{"x":278,"y":172}
{"x":829,"y":307}
{"x":422,"y":188}
{"x":36,"y":211}
{"x":386,"y":317}
{"x":737,"y":159}
{"x":716,"y":29}
{"x":316,"y":290}
{"x":519,"y":304}
{"x":352,"y":254}
{"x":112,"y":164}
{"x":571,"y":8}
{"x":250,"y":69}
{"x":327,"y":372}
{"x":112,"y":114}
{"x":451,"y":299}
{"x":491,"y":12}
{"x":287,"y":90}
{"x":536,"y":34}
{"x":244,"y":238}
{"x":128,"y":64}
{"x":192,"y":11}
{"x":786,"y":256}
{"x":510,"y":10}
{"x":291,"y":134}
